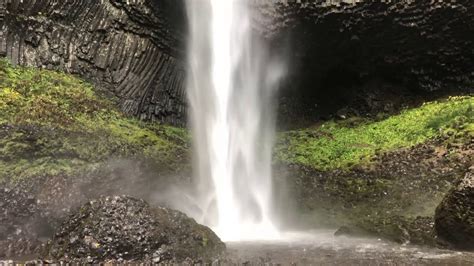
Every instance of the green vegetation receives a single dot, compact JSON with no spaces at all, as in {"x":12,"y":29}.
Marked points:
{"x":53,"y":123}
{"x":338,"y":145}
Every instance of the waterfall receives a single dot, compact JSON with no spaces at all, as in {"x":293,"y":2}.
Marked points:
{"x":231,"y":85}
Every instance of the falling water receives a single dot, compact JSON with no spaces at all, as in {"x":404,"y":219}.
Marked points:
{"x":231,"y":83}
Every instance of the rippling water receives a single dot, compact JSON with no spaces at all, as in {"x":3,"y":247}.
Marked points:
{"x":323,"y":248}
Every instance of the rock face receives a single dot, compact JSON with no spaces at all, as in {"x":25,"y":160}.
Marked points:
{"x":122,"y":229}
{"x":129,"y":48}
{"x":394,"y":197}
{"x":370,"y":56}
{"x":454,"y":218}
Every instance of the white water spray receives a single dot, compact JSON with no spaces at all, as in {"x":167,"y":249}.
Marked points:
{"x":231,"y":84}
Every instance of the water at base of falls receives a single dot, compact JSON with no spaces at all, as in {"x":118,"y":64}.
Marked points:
{"x":231,"y":85}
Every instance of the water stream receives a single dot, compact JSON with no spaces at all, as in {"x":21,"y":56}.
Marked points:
{"x":231,"y":83}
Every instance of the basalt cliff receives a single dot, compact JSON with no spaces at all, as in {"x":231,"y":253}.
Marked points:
{"x":359,"y":57}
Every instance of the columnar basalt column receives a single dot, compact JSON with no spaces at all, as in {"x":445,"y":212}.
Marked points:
{"x":128,"y":48}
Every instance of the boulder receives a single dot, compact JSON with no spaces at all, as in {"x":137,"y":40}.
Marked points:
{"x":122,"y":228}
{"x":454,"y":217}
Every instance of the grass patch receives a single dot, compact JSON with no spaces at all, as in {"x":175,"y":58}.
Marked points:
{"x":54,"y":123}
{"x":337,"y":145}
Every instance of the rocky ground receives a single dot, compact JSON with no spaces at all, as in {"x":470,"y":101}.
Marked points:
{"x":323,"y":248}
{"x":18,"y":234}
{"x":393,"y":194}
{"x":114,"y":229}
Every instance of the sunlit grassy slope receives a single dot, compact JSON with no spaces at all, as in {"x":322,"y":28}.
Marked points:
{"x":54,"y":123}
{"x":341,"y":145}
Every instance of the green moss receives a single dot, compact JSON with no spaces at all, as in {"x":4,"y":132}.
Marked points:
{"x":337,"y":145}
{"x":54,"y":123}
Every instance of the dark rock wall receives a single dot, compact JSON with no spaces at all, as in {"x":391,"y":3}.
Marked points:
{"x":129,"y":49}
{"x":355,"y":56}
{"x":366,"y":52}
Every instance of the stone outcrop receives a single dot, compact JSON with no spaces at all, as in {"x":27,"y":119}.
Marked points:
{"x":374,"y":56}
{"x":122,"y":229}
{"x":365,"y":56}
{"x":127,"y":47}
{"x":394,"y":196}
{"x":454,"y":218}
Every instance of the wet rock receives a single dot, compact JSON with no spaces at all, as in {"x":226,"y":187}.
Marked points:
{"x":19,"y":222}
{"x":121,"y":228}
{"x":349,"y":231}
{"x":454,"y":218}
{"x":394,"y":197}
{"x":343,"y":230}
{"x":404,"y":230}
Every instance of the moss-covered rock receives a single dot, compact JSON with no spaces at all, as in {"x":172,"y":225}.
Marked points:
{"x":53,"y":123}
{"x":454,"y":218}
{"x":63,"y":142}
{"x":355,"y":141}
{"x":383,"y":177}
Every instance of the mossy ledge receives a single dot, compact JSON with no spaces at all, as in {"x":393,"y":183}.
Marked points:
{"x":52,"y":123}
{"x":355,"y":141}
{"x":383,"y":177}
